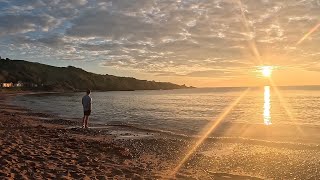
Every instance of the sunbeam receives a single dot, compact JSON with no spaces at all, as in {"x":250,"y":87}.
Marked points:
{"x":308,"y":34}
{"x":207,"y":131}
{"x":251,"y":43}
{"x":285,"y":106}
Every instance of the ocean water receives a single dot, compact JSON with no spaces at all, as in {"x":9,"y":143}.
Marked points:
{"x":187,"y":111}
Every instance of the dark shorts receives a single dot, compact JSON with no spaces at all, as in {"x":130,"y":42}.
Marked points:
{"x":87,"y":113}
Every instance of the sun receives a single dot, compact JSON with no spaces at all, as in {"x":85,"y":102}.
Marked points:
{"x":266,"y":71}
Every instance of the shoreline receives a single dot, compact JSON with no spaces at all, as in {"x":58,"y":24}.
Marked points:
{"x":27,"y":141}
{"x":253,"y":133}
{"x":37,"y":148}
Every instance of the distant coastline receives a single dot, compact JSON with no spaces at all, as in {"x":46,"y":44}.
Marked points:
{"x":20,"y":75}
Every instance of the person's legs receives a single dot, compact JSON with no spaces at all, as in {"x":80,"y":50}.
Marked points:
{"x":83,"y":121}
{"x":86,"y":121}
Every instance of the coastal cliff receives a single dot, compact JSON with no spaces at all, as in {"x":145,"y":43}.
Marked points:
{"x":30,"y":75}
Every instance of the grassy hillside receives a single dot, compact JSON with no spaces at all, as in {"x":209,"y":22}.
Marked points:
{"x":71,"y":78}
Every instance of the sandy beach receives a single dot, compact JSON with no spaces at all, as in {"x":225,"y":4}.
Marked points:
{"x":40,"y":146}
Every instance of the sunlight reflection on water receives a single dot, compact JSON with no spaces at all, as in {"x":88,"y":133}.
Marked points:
{"x":267,"y":106}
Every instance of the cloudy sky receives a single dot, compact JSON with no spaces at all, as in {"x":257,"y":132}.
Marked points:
{"x":195,"y":42}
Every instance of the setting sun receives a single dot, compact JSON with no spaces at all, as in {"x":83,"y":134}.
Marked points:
{"x":266,"y":71}
{"x":160,"y":89}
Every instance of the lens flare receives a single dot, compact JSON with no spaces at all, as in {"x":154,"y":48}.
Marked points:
{"x":308,"y":34}
{"x":207,"y":131}
{"x":284,"y":104}
{"x":251,"y":43}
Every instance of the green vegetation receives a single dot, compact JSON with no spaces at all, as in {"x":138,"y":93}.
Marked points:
{"x":38,"y":76}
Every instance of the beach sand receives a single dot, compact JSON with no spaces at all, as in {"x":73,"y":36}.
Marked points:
{"x":40,"y":146}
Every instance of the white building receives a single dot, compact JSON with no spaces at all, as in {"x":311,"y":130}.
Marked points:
{"x":19,"y":84}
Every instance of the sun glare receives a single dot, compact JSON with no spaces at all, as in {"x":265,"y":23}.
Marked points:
{"x":266,"y":71}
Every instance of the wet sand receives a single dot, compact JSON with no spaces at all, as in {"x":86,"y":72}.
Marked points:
{"x":41,"y":146}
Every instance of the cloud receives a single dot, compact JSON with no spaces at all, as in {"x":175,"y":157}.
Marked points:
{"x":11,"y":24}
{"x":210,"y":73}
{"x":106,"y":24}
{"x":174,"y":38}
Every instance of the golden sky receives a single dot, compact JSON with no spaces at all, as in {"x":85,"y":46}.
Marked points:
{"x":200,"y":43}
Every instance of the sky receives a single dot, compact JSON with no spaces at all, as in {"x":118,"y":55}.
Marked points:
{"x":202,"y":43}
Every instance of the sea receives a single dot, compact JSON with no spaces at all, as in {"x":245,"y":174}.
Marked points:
{"x":187,"y":111}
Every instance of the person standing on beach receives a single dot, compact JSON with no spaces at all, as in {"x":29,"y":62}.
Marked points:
{"x":87,"y":105}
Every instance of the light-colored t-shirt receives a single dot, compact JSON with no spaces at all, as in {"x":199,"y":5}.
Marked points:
{"x":86,"y":103}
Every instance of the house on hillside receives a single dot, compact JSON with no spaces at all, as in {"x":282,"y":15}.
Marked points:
{"x":7,"y":85}
{"x":19,"y":84}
